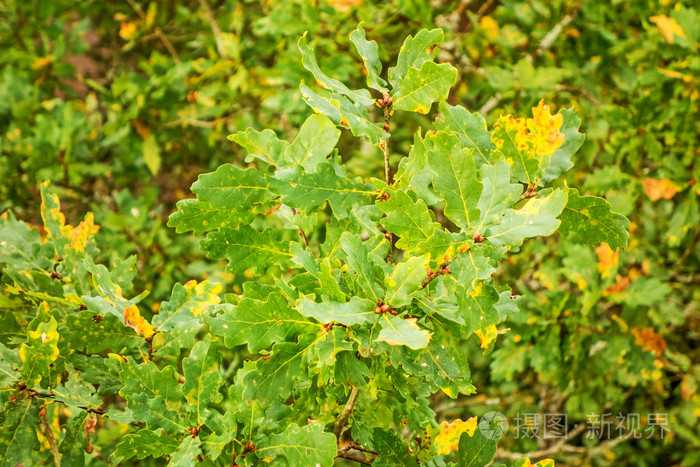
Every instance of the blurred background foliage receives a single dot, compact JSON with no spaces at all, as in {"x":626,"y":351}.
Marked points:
{"x":123,"y":104}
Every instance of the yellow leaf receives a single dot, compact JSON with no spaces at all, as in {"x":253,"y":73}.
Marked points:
{"x":448,"y":438}
{"x":80,"y":235}
{"x":668,"y":27}
{"x":545,"y":128}
{"x":133,"y":319}
{"x":487,"y":337}
{"x":127,"y":29}
{"x":42,"y":62}
{"x":489,"y":26}
{"x":659,"y":188}
{"x":607,"y":259}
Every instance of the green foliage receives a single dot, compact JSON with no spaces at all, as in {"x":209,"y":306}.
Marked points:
{"x":339,"y":283}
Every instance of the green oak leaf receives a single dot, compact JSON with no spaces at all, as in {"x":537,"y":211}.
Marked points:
{"x":19,"y":421}
{"x":157,"y":414}
{"x":391,"y":448}
{"x":414,"y":52}
{"x":478,"y":307}
{"x":498,"y":194}
{"x":40,"y":351}
{"x":263,"y":145}
{"x":368,"y":277}
{"x":309,"y":190}
{"x":342,"y":111}
{"x":422,"y":87}
{"x":275,"y":377}
{"x":356,"y":311}
{"x":144,"y":443}
{"x":316,"y":139}
{"x":308,"y":59}
{"x":406,"y":280}
{"x":308,"y":445}
{"x":537,"y":217}
{"x":590,"y":220}
{"x":76,"y":394}
{"x":396,"y":330}
{"x":9,"y":363}
{"x":231,"y":187}
{"x":369,"y":51}
{"x":201,"y":217}
{"x":258,"y":323}
{"x":561,"y":157}
{"x":478,"y":450}
{"x":246,"y":248}
{"x":179,"y":320}
{"x":410,"y":220}
{"x":94,"y":333}
{"x":455,"y":179}
{"x":21,"y":246}
{"x":202,"y":379}
{"x":186,"y":453}
{"x":471,"y":129}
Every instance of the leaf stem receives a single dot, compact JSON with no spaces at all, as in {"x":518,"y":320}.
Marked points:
{"x":345,"y":414}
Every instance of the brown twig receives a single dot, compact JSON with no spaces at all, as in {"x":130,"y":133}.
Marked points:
{"x":529,"y":192}
{"x":555,"y":448}
{"x":442,"y":269}
{"x":345,"y":414}
{"x":215,"y":28}
{"x":354,"y":456}
{"x":158,"y":31}
{"x":48,"y":433}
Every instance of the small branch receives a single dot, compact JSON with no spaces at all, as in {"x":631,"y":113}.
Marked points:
{"x":385,"y":145}
{"x":385,"y":102}
{"x":552,"y":35}
{"x":345,"y":414}
{"x":158,"y":31}
{"x":555,"y":448}
{"x":442,"y":269}
{"x":529,"y":192}
{"x":354,"y":456}
{"x":215,"y":28}
{"x":48,"y":433}
{"x":198,"y":123}
{"x":491,"y":104}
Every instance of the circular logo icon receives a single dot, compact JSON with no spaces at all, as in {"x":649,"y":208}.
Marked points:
{"x":493,"y":425}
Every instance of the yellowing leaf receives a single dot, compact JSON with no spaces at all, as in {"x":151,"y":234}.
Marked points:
{"x":656,"y":189}
{"x":545,"y":128}
{"x":668,"y":27}
{"x":489,"y":26}
{"x":607,"y":259}
{"x":448,"y":438}
{"x":80,"y":235}
{"x":488,"y":336}
{"x":649,"y":340}
{"x":133,"y":319}
{"x":127,"y":30}
{"x":42,"y":62}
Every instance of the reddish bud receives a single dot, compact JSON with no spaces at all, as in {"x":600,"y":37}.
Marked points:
{"x":478,"y":238}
